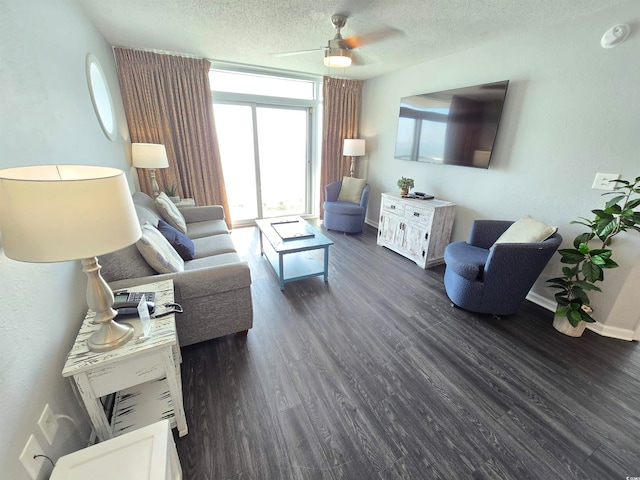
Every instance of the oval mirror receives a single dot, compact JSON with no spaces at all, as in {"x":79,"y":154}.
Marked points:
{"x":101,"y":97}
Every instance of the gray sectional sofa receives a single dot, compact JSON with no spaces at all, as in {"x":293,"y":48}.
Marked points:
{"x":215,"y":287}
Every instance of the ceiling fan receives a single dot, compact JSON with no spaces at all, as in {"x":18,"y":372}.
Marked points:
{"x":339,"y":51}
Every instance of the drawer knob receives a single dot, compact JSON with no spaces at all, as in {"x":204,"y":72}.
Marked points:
{"x":393,"y":207}
{"x":416,"y":214}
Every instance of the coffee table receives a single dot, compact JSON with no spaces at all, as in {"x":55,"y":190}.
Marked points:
{"x":291,"y":258}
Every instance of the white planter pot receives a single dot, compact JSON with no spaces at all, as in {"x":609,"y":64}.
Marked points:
{"x":562,"y":325}
{"x":175,"y":199}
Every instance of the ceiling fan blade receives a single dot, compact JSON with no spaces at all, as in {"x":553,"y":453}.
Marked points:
{"x":298,"y":52}
{"x":372,"y":37}
{"x":356,"y":58}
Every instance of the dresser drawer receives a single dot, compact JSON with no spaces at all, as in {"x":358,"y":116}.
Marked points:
{"x":120,"y":375}
{"x":419,"y":214}
{"x":393,"y":207}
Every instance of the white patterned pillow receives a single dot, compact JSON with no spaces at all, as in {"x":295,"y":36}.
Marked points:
{"x":527,"y":230}
{"x":158,"y":252}
{"x":171,"y":213}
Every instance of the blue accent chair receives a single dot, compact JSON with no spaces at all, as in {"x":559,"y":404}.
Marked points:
{"x":486,"y":278}
{"x":344,"y":216}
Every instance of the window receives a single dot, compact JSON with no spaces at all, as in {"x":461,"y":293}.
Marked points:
{"x":264,"y":85}
{"x":267,"y":133}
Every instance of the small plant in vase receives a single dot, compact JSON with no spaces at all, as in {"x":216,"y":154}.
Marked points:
{"x":172,"y":192}
{"x":405,"y":184}
{"x":587,"y":265}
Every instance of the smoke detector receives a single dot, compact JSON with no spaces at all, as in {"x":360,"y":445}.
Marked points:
{"x":615,"y":35}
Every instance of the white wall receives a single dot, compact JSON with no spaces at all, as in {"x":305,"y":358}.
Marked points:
{"x":46,"y":117}
{"x":626,"y":306}
{"x":572,"y":110}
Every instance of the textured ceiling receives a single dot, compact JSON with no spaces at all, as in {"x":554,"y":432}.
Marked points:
{"x":251,"y":31}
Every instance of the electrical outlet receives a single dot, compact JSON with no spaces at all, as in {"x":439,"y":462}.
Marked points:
{"x":602,"y":181}
{"x":48,"y":423}
{"x":32,"y":465}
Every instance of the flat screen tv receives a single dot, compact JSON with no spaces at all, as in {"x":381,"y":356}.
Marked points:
{"x":453,"y":127}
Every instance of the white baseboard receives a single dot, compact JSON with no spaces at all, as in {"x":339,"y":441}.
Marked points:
{"x":544,"y":302}
{"x":371,"y":222}
{"x":597,"y":327}
{"x":613,"y":332}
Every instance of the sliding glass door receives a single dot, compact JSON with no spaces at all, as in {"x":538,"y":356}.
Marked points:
{"x":265,"y":158}
{"x":234,"y":128}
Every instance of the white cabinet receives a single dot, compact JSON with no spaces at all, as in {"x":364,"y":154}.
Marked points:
{"x":148,"y":453}
{"x":417,"y":229}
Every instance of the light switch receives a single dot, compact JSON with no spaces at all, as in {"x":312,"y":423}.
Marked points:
{"x":602,"y":181}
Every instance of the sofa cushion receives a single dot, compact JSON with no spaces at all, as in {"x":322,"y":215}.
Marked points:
{"x":230,"y":258}
{"x":202,"y":213}
{"x":158,"y":252}
{"x":343,"y":208}
{"x":124,"y":264}
{"x":171,"y":213}
{"x":178,"y":240}
{"x":213,"y":245}
{"x":144,"y":200}
{"x":466,"y":260}
{"x":206,"y":228}
{"x":527,"y":230}
{"x":351,"y":189}
{"x":147,"y":216}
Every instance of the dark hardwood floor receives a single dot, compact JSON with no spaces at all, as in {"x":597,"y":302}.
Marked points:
{"x":375,"y":376}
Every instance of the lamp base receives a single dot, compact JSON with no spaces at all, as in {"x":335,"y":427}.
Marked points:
{"x":110,"y":335}
{"x":154,"y":183}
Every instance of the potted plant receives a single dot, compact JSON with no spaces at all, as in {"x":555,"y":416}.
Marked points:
{"x":405,"y":184}
{"x":172,"y":192}
{"x":586,"y":264}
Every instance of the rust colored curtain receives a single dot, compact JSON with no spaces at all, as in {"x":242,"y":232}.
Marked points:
{"x":341,"y":100}
{"x":167,"y":100}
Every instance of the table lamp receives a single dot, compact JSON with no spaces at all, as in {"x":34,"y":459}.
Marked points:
{"x":353,"y":147}
{"x":57,"y":213}
{"x":150,"y":156}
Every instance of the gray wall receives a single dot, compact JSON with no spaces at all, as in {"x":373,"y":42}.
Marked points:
{"x":572,"y":110}
{"x":46,"y":118}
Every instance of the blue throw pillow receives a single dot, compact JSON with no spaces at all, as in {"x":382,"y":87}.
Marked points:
{"x":178,"y":240}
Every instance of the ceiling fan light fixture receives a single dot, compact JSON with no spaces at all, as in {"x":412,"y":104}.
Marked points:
{"x":337,"y":58}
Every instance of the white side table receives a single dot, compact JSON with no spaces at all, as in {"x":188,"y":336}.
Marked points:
{"x":145,"y":454}
{"x":144,"y":374}
{"x":186,"y":202}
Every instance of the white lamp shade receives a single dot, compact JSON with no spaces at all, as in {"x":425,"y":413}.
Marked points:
{"x":149,"y":155}
{"x":55,"y":213}
{"x":353,"y":147}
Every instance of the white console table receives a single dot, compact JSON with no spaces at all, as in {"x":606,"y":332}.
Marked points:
{"x":416,"y":229}
{"x":145,"y":454}
{"x":145,"y":374}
